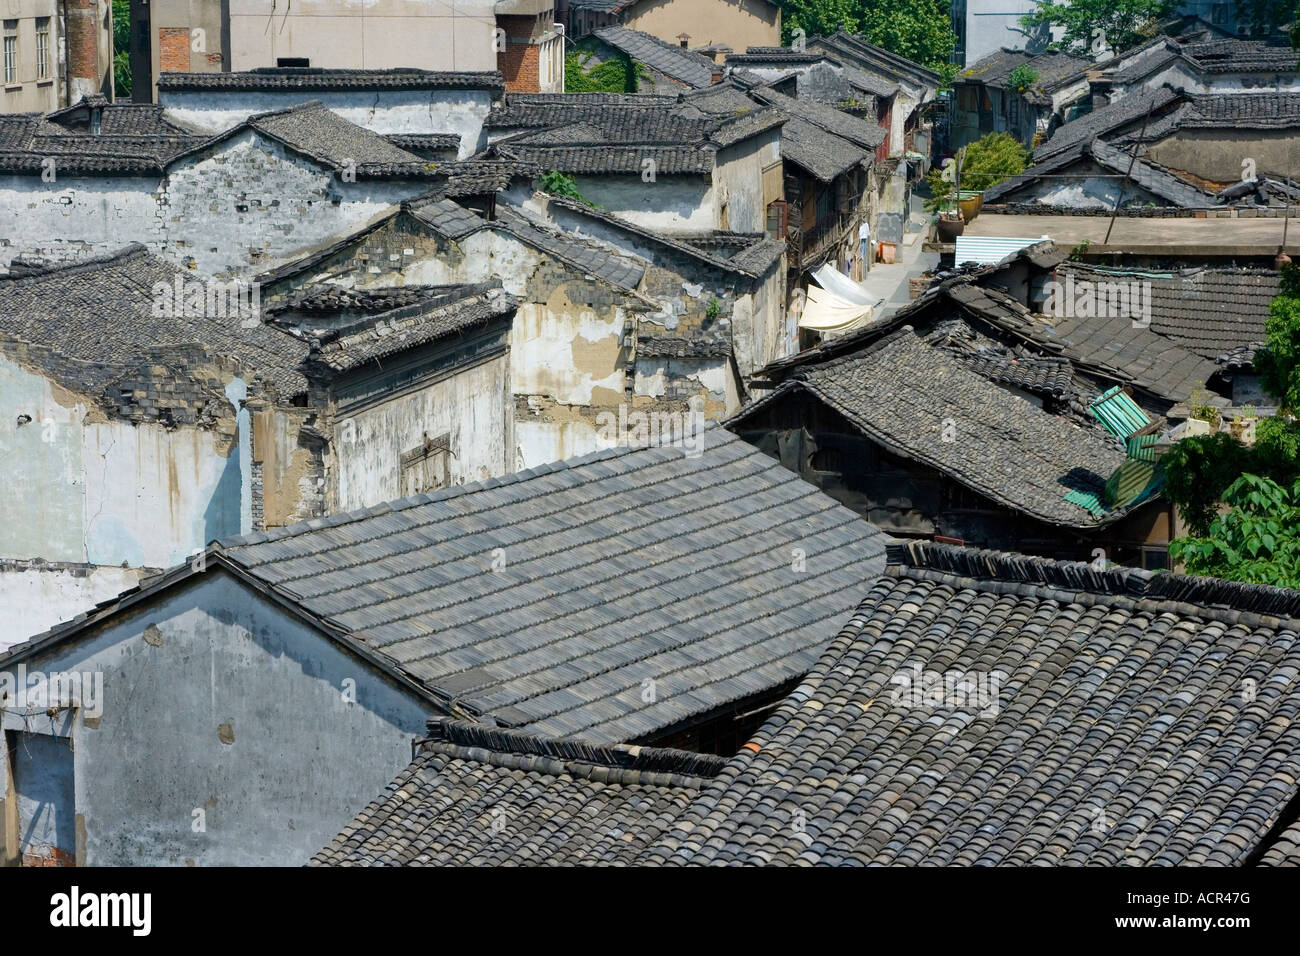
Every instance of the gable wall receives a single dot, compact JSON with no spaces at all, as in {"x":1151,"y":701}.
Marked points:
{"x":216,"y":701}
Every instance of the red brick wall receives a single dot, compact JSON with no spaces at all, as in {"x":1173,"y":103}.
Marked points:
{"x":519,"y":63}
{"x":174,"y":49}
{"x":82,"y":39}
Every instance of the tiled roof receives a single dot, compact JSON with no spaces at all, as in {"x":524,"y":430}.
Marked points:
{"x":1119,"y":733}
{"x":1241,"y":56}
{"x":618,"y":139}
{"x":1081,"y":717}
{"x":428,"y":142}
{"x":547,"y":110}
{"x":479,"y":796}
{"x":1054,"y":70}
{"x":600,"y":159}
{"x":856,"y":49}
{"x":1112,"y":347}
{"x":96,"y":316}
{"x":1131,"y":109}
{"x":318,"y":80}
{"x":589,"y":257}
{"x":1140,"y":172}
{"x":903,"y":394}
{"x":828,"y":118}
{"x":403,"y":318}
{"x":1206,"y":311}
{"x":621,"y":567}
{"x":1245,"y":110}
{"x":822,"y":154}
{"x":693,"y":69}
{"x":322,"y":134}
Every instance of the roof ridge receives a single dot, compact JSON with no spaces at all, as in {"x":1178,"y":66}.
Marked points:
{"x":1084,"y":577}
{"x":74,"y":266}
{"x":482,"y":742}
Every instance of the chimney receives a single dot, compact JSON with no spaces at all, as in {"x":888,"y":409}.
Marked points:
{"x":717,"y":74}
{"x":81,"y":39}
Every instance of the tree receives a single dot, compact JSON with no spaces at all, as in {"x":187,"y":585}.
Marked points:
{"x":1093,"y":26}
{"x":818,"y":17}
{"x":1257,"y":541}
{"x":1264,"y":16}
{"x":122,"y":48}
{"x":984,"y":163}
{"x":920,"y":30}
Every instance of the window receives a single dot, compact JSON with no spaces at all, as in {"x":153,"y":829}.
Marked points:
{"x":426,"y":467}
{"x":11,"y":51}
{"x":42,"y":48}
{"x":292,"y":61}
{"x":776,"y":219}
{"x":1155,"y":559}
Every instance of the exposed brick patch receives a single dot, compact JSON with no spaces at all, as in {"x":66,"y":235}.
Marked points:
{"x":174,"y":49}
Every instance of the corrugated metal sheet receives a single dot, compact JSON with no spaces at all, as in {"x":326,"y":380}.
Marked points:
{"x":1085,"y":499}
{"x":987,"y":250}
{"x":1118,"y":413}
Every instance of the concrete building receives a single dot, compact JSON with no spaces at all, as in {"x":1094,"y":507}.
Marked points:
{"x":687,"y":23}
{"x":518,"y":37}
{"x":54,"y":52}
{"x":242,"y":708}
{"x":155,"y":411}
{"x":611,"y":317}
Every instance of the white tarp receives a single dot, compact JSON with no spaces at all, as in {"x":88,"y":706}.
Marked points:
{"x":843,"y":287}
{"x":989,"y":250}
{"x":826,"y":312}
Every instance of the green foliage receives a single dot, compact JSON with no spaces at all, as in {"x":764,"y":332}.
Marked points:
{"x":1279,"y":362}
{"x":818,"y":17}
{"x":984,"y":163}
{"x":619,"y":75}
{"x":558,"y":184}
{"x":122,"y":48}
{"x":920,"y":30}
{"x":713,"y":309}
{"x":1198,"y":470}
{"x":1090,"y":26}
{"x":1257,"y":541}
{"x":1264,"y":16}
{"x":1022,"y":78}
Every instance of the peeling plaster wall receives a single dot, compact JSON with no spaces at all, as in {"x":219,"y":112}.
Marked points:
{"x":669,"y":204}
{"x":1217,"y":154}
{"x":738,"y":176}
{"x":206,"y":663}
{"x":470,"y":405}
{"x":235,"y":208}
{"x":381,"y":111}
{"x":680,"y":380}
{"x":86,"y":489}
{"x":35,"y":596}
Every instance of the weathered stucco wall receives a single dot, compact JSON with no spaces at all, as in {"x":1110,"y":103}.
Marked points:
{"x":1219,"y":154}
{"x":472,"y":406}
{"x":87,"y":489}
{"x":738,"y":180}
{"x":386,"y":111}
{"x":230,"y":734}
{"x":669,"y":204}
{"x":36,"y":595}
{"x":236,"y":208}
